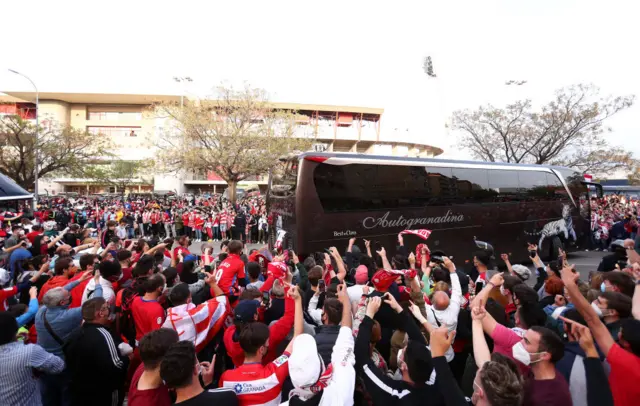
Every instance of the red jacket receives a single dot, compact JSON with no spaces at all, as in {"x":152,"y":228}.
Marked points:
{"x":277,"y":333}
{"x":78,"y":291}
{"x":55,"y":282}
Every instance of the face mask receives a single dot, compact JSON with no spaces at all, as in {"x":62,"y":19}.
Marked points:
{"x":521,"y":354}
{"x":597,"y":309}
{"x":502,"y":292}
{"x":475,"y":396}
{"x":603,"y":287}
{"x":399,"y":357}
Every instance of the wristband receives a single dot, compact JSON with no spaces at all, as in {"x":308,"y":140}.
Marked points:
{"x":491,"y":283}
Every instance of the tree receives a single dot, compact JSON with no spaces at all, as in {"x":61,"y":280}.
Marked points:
{"x":118,"y":173}
{"x":634,"y":177}
{"x":567,"y":131}
{"x":237,"y":135}
{"x":59,"y":148}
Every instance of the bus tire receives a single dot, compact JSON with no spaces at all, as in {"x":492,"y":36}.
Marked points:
{"x":555,"y":246}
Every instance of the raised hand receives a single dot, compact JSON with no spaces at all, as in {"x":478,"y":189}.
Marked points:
{"x":392,"y":302}
{"x":373,"y":306}
{"x":441,"y":340}
{"x":478,"y":313}
{"x":412,"y":259}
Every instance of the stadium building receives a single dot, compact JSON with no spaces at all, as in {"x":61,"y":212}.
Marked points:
{"x":122,"y":117}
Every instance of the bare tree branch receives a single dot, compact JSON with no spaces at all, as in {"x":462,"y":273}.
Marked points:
{"x":567,"y":131}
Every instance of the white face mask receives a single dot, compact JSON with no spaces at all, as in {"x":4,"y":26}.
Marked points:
{"x":597,"y":309}
{"x":521,"y":354}
{"x":399,"y":358}
{"x":475,"y":396}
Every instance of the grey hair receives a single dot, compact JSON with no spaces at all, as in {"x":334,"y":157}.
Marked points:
{"x":278,"y":289}
{"x":54,"y":296}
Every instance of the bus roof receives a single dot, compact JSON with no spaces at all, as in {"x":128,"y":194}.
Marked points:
{"x":444,"y":162}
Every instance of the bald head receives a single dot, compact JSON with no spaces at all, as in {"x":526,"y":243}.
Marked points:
{"x":440,"y":300}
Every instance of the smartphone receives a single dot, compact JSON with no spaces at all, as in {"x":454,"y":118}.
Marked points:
{"x":560,"y":261}
{"x":532,"y":254}
{"x":265,"y":299}
{"x":321,"y":286}
{"x":377,"y":246}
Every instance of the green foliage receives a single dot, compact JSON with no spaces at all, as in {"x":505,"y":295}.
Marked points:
{"x":61,"y":149}
{"x":237,"y":135}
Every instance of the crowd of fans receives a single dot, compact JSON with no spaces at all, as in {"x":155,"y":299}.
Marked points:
{"x":92,"y":318}
{"x":200,"y":218}
{"x":614,"y":217}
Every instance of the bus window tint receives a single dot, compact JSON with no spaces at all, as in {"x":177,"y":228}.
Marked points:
{"x":504,"y":183}
{"x":379,"y":187}
{"x":472,"y":184}
{"x":556,"y":190}
{"x":534,"y":185}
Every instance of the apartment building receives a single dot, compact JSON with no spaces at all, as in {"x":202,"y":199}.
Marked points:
{"x":125,"y":119}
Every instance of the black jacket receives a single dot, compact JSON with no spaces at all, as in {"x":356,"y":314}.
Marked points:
{"x":326,"y":337}
{"x":97,"y":369}
{"x":386,"y":391}
{"x":609,"y":262}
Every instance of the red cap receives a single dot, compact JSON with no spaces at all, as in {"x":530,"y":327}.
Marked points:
{"x":383,"y":278}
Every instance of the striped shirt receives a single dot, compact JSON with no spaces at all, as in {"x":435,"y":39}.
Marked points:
{"x":258,"y":385}
{"x":19,"y":386}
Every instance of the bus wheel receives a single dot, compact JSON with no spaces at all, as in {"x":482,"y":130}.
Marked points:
{"x":556,"y":245}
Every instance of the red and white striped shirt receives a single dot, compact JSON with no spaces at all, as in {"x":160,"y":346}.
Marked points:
{"x":258,"y":385}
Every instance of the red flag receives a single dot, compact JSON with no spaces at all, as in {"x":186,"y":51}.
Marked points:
{"x":422,"y":233}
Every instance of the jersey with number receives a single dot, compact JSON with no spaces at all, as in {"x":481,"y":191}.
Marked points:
{"x":232,"y":267}
{"x":255,"y":384}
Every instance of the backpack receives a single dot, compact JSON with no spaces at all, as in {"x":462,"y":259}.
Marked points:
{"x":125,"y":325}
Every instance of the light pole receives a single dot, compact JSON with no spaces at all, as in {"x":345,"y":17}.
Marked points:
{"x":181,"y":80}
{"x":35,"y":152}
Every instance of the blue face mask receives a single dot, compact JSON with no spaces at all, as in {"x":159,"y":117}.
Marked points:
{"x":603,"y":287}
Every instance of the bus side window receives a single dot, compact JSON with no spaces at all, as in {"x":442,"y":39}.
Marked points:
{"x":505,"y":184}
{"x":472,"y":184}
{"x":534,"y":186}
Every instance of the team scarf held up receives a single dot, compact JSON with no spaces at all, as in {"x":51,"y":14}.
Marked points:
{"x":423,"y":234}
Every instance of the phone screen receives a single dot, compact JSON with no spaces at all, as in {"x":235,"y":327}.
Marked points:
{"x":265,"y":298}
{"x":532,"y":254}
{"x":321,"y":286}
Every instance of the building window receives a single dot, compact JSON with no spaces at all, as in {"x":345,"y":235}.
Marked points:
{"x":115,"y":131}
{"x":114,"y":115}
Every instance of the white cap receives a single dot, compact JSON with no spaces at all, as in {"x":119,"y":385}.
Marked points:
{"x":522,"y":271}
{"x":304,"y":363}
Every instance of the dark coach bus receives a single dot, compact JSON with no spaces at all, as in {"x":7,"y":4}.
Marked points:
{"x":317,"y":200}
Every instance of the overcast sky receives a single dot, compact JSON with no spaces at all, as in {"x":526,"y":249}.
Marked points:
{"x":362,"y":53}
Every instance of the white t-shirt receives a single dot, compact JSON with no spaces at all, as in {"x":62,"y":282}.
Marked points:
{"x":107,"y":291}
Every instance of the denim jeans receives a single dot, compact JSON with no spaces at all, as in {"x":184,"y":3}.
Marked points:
{"x":198,"y":234}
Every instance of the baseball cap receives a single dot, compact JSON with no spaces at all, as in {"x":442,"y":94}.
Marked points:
{"x":246,"y":310}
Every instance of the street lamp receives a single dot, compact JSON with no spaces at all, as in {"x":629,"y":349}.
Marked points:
{"x":182,"y":79}
{"x":35,"y":152}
